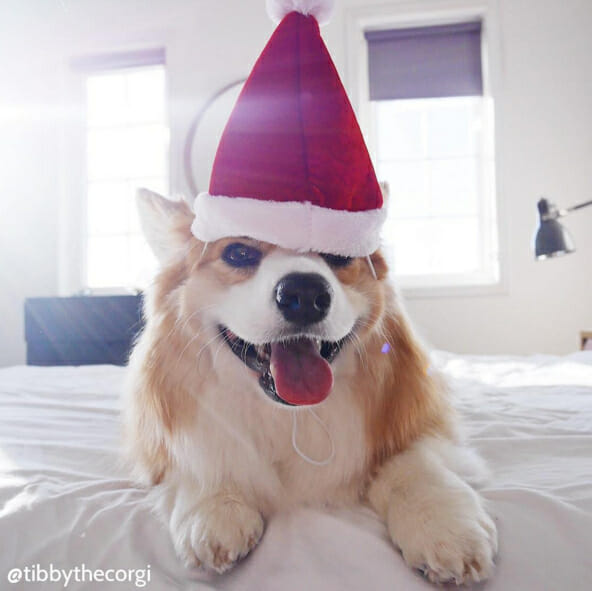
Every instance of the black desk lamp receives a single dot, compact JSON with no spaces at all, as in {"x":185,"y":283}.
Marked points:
{"x":552,"y":239}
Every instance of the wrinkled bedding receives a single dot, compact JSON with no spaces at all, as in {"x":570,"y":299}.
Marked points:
{"x":66,"y":501}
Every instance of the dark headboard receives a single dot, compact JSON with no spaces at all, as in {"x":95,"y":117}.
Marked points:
{"x":82,"y":330}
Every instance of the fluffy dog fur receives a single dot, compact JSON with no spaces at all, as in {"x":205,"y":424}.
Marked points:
{"x":219,"y":453}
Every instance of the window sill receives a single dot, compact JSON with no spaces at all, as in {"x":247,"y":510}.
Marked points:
{"x":109,"y":291}
{"x":411,"y":292}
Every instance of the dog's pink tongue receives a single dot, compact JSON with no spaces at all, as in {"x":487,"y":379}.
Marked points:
{"x":300,"y":374}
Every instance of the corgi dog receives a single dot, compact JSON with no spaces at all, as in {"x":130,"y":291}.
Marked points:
{"x":267,"y":378}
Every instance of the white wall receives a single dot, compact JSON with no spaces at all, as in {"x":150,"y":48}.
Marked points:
{"x":544,"y":117}
{"x":29,"y":100}
{"x":544,"y":137}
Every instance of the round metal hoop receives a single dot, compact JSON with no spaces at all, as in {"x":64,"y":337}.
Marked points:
{"x":191,"y":134}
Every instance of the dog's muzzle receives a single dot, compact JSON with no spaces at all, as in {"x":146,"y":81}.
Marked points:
{"x":299,"y":365}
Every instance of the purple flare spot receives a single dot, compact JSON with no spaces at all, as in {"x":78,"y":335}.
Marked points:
{"x":385,"y":348}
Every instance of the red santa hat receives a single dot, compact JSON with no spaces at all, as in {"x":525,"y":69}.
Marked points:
{"x":292,"y":168}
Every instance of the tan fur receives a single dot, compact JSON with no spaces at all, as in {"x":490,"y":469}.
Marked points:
{"x":400,"y":402}
{"x":187,"y":392}
{"x":408,"y":403}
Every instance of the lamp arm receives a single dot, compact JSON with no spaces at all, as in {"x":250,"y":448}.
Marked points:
{"x":549,"y":211}
{"x":579,"y":205}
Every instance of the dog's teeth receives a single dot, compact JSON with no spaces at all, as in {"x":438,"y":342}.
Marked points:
{"x":263,"y":353}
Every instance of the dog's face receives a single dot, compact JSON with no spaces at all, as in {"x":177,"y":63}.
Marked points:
{"x":286,"y":316}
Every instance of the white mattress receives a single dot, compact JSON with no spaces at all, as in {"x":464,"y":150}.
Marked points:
{"x":64,"y":501}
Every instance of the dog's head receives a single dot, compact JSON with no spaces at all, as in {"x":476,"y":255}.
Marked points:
{"x":286,"y":316}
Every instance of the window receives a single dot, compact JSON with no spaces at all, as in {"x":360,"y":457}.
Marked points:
{"x":432,"y":141}
{"x":127,"y":140}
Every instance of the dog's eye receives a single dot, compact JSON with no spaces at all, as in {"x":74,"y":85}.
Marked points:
{"x":241,"y":255}
{"x":337,"y":261}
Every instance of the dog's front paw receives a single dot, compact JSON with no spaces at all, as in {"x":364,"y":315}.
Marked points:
{"x":450,"y":540}
{"x":217,"y":533}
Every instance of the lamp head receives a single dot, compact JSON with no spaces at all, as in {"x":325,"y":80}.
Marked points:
{"x":551,"y":239}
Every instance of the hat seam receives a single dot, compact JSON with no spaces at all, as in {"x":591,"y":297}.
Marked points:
{"x":303,"y":138}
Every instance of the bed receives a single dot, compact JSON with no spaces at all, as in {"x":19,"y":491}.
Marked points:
{"x":66,"y":502}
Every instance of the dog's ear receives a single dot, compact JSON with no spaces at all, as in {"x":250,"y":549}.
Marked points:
{"x":386,"y":192}
{"x":166,"y":224}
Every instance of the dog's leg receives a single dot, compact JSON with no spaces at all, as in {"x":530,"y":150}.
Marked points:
{"x":433,"y":516}
{"x":211,"y":529}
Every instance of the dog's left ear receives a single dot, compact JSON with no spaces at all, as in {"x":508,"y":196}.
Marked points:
{"x":166,"y":224}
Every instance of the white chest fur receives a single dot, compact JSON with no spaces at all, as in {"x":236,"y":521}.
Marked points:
{"x":242,"y":439}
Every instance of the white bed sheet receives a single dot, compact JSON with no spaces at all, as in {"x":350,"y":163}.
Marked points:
{"x":65,"y":501}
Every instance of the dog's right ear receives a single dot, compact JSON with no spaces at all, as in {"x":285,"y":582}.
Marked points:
{"x":166,"y":224}
{"x":386,"y":191}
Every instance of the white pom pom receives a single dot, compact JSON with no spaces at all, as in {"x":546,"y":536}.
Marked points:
{"x":322,"y":10}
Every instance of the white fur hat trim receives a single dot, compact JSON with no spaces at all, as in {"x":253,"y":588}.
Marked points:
{"x":293,"y":225}
{"x":322,"y":10}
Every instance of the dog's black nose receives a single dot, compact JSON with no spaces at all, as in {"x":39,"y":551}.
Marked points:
{"x":303,"y":298}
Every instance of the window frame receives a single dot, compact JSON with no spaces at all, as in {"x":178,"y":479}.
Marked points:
{"x":73,"y":174}
{"x":429,"y":13}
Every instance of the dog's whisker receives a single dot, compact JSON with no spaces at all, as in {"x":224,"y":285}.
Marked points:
{"x":379,"y":329}
{"x":193,"y":315}
{"x":244,"y":350}
{"x":186,"y":321}
{"x":191,"y":341}
{"x":383,"y":335}
{"x":206,"y":345}
{"x":187,"y":345}
{"x":217,"y":352}
{"x":360,"y":348}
